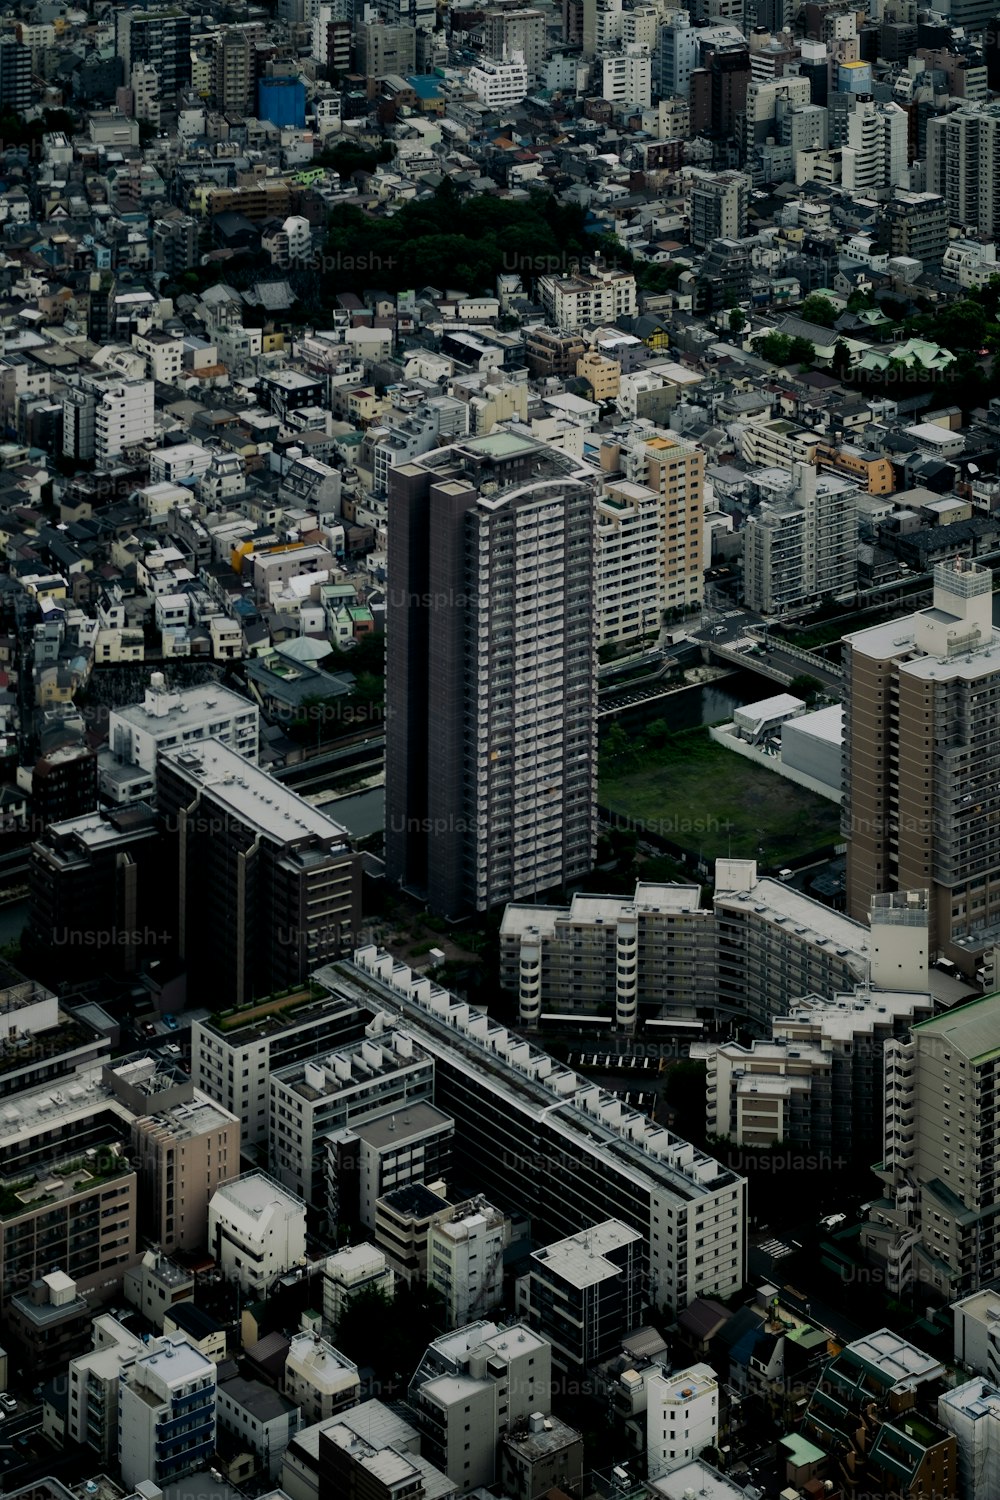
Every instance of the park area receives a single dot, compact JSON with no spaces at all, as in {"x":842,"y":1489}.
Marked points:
{"x":714,"y":804}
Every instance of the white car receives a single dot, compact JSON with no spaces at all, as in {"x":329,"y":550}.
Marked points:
{"x":832,"y":1220}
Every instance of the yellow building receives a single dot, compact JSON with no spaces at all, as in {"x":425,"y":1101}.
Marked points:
{"x":603,"y":375}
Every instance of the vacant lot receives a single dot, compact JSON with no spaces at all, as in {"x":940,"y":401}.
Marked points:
{"x":707,"y":800}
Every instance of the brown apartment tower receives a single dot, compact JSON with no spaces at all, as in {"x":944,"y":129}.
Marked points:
{"x":922,"y":763}
{"x":491,"y":673}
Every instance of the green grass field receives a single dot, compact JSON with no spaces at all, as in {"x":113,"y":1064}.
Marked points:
{"x":714,"y":803}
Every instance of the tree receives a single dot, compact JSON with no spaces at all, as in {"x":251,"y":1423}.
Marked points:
{"x":803,"y":352}
{"x":618,"y":752}
{"x":841,"y":362}
{"x":805,"y":686}
{"x":737,"y":320}
{"x":818,"y":309}
{"x":777,"y":347}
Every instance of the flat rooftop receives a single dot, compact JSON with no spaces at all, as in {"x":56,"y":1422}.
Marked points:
{"x":251,"y":795}
{"x":407,"y":1123}
{"x":582,"y":1259}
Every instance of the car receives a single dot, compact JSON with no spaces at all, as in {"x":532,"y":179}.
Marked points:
{"x":171,"y":1023}
{"x":832,"y":1220}
{"x":8,"y":1402}
{"x":172,"y":1050}
{"x":149,"y":1029}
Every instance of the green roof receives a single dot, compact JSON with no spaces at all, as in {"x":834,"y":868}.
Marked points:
{"x":800,"y":1450}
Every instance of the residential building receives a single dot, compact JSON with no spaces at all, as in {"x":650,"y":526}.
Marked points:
{"x":47,"y":1324}
{"x":94,"y":1385}
{"x":589,"y":1160}
{"x":351,"y":1272}
{"x":874,"y":158}
{"x":718,"y":206}
{"x":674,"y":470}
{"x":368,"y":1451}
{"x":234,"y":1055}
{"x":166,"y":1412}
{"x":919,"y":788}
{"x":963,"y":166}
{"x":915,"y":224}
{"x":977,"y":1332}
{"x":491,"y":673}
{"x":167,"y":719}
{"x":627,"y":78}
{"x":588,"y":300}
{"x":185,"y":1144}
{"x":541,"y":1455}
{"x":156,"y":1285}
{"x":159,"y":37}
{"x":385,"y":49}
{"x":682,"y":1417}
{"x":405,"y":1218}
{"x":256,"y":1231}
{"x":123,"y":419}
{"x":629,"y":563}
{"x":318,"y":1379}
{"x":15,"y":75}
{"x":470,"y":1388}
{"x":499,"y":84}
{"x":509,"y":32}
{"x":311,"y":1100}
{"x":935,"y":1224}
{"x":259,"y":1416}
{"x":584,"y":1293}
{"x":802,"y":547}
{"x":253,"y":936}
{"x":465,"y":1261}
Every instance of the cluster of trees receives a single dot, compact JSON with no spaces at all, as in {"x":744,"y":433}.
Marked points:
{"x":780,"y":349}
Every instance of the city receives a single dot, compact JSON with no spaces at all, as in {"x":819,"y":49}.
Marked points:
{"x":500,"y":750}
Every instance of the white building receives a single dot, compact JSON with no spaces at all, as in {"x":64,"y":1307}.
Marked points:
{"x":166,"y":1412}
{"x":802,"y":547}
{"x":259,"y":1417}
{"x":682,"y":1417}
{"x":123,"y":418}
{"x":629,"y":573}
{"x":256,"y":1231}
{"x":94,"y":1381}
{"x":318,"y":1378}
{"x":348,"y":1273}
{"x":627,"y":78}
{"x":972,"y":1413}
{"x":875,"y":156}
{"x":465,"y":1261}
{"x":499,"y":85}
{"x":977,"y":1333}
{"x":586,"y":301}
{"x":167,"y":719}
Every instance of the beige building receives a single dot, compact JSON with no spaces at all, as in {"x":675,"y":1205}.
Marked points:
{"x":922,"y":762}
{"x":603,"y":375}
{"x":185,"y":1146}
{"x":675,"y":472}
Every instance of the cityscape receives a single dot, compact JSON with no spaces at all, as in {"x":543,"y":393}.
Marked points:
{"x":500,"y":750}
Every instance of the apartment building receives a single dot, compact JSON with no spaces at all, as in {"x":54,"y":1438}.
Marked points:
{"x":977,"y":1332}
{"x":167,"y":719}
{"x":234,"y":1054}
{"x":123,"y":419}
{"x":405,"y":1218}
{"x":971,"y":1412}
{"x":40,"y":1042}
{"x":318,"y":1379}
{"x":936,"y":1222}
{"x":588,"y":300}
{"x":69,"y":1190}
{"x":778,"y":443}
{"x":629,"y":572}
{"x":313,"y":1099}
{"x":465,"y":1261}
{"x":368,"y":1158}
{"x":963,"y":166}
{"x":185,"y":1145}
{"x":470,"y":1388}
{"x":870,"y":471}
{"x":591,"y":1159}
{"x":160,"y":37}
{"x":583,"y":1294}
{"x":499,"y":84}
{"x":166,"y":1412}
{"x":491,"y":673}
{"x":802,"y":547}
{"x":385,"y":49}
{"x":368,"y":1451}
{"x":719,"y":202}
{"x":259,"y":1418}
{"x":256,"y":1231}
{"x":350,"y":1273}
{"x":623,"y":960}
{"x":155,"y":1285}
{"x":506,"y":32}
{"x":234,"y":70}
{"x":682,"y":1417}
{"x":267,"y":886}
{"x":675,"y":472}
{"x":915,"y":224}
{"x":94,"y":1383}
{"x":627,"y":77}
{"x":920,"y":784}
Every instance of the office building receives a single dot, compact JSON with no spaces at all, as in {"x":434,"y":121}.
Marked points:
{"x":368,"y":1158}
{"x":385,"y":49}
{"x":94,"y":1384}
{"x":963,"y":166}
{"x":718,"y":206}
{"x":491,"y":673}
{"x":161,"y":38}
{"x":627,"y":78}
{"x":803,"y":547}
{"x":405,"y":1218}
{"x":676,"y":55}
{"x":682,"y":1417}
{"x":258,"y":1418}
{"x":583,"y":1294}
{"x":465,"y":1261}
{"x":351,"y":1273}
{"x":256,"y":1231}
{"x":311,"y":1100}
{"x":15,"y":75}
{"x":506,"y":32}
{"x":920,"y":787}
{"x":318,"y":1379}
{"x":166,"y":1412}
{"x":267,"y":886}
{"x":185,"y":1146}
{"x":499,"y":84}
{"x":936,"y":1222}
{"x":470,"y":1388}
{"x":589,"y":1160}
{"x":167,"y":719}
{"x":234,"y":1055}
